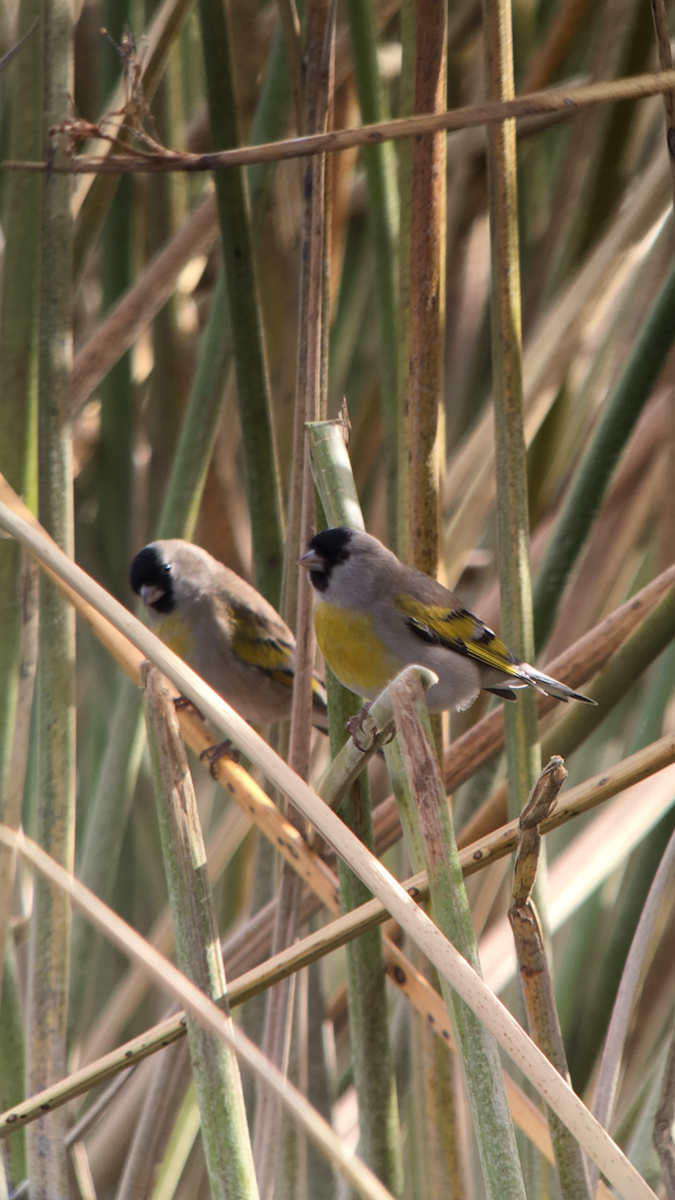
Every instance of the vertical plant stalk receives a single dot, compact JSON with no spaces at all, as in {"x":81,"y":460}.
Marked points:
{"x":437,"y":1126}
{"x":227,"y":1147}
{"x":28,"y":644}
{"x":405,"y":175}
{"x":311,"y":376}
{"x":12,"y":1061}
{"x":297,"y":601}
{"x":12,"y":1034}
{"x":374,"y":1079}
{"x":522,"y":749}
{"x":379,"y":1134}
{"x":427,"y":292}
{"x":115,"y":457}
{"x":310,"y":337}
{"x":55,"y":813}
{"x":116,"y":441}
{"x":262,"y":475}
{"x":18,"y":388}
{"x":477,"y":1048}
{"x":535,"y":979}
{"x":290,"y":24}
{"x":380,"y":164}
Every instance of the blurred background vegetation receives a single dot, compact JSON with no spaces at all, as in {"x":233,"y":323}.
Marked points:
{"x":178,"y":420}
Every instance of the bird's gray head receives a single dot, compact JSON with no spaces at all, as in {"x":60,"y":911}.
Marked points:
{"x":325,"y":551}
{"x":346,"y":566}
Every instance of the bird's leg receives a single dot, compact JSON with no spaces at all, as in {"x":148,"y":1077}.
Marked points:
{"x":362,"y":728}
{"x":213,"y":754}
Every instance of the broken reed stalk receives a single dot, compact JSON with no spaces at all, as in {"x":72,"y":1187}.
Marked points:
{"x":477,"y":1048}
{"x":225,"y":1137}
{"x":50,"y":929}
{"x":372,"y":1055}
{"x":535,"y":979}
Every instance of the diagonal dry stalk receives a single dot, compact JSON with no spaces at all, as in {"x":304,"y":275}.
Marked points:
{"x":557,"y":100}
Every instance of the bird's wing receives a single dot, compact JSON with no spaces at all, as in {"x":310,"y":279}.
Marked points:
{"x":261,"y":643}
{"x":459,"y":630}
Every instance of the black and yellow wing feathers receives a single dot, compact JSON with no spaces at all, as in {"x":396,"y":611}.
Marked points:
{"x":270,"y":647}
{"x":458,"y":630}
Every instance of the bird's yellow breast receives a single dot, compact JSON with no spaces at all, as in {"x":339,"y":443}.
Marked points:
{"x":352,"y":649}
{"x":175,"y":633}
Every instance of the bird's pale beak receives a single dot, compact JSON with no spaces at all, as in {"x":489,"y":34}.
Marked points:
{"x":309,"y":560}
{"x":150,"y":593}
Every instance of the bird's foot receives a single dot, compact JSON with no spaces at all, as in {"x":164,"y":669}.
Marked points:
{"x":363,"y":729}
{"x":213,"y":754}
{"x":182,"y":704}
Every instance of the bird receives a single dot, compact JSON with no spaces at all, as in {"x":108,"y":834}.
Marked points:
{"x":222,"y":628}
{"x":374,"y":615}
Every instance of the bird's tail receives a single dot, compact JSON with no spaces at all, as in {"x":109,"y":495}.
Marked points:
{"x":552,"y":687}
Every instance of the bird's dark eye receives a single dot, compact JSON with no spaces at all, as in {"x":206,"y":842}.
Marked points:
{"x":167,"y":568}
